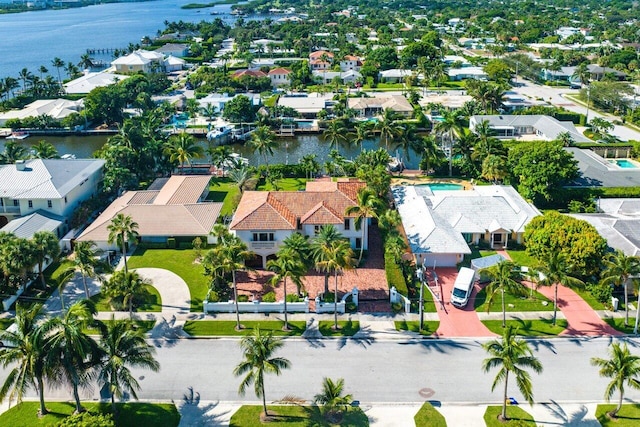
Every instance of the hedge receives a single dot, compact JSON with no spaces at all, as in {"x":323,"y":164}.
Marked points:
{"x":395,"y":277}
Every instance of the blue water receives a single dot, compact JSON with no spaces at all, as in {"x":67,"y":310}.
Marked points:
{"x":625,"y":164}
{"x":31,"y":39}
{"x":442,"y":186}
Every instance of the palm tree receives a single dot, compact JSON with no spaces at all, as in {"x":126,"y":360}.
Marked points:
{"x":337,"y":258}
{"x":334,"y":132}
{"x":46,"y":248}
{"x":263,"y":141}
{"x":127,"y":286}
{"x":407,"y":139}
{"x":258,"y":350}
{"x":431,"y":154}
{"x":85,"y":261}
{"x":623,"y":368}
{"x":57,"y":64}
{"x":122,"y":229}
{"x":368,"y":205}
{"x":388,"y":126}
{"x":25,"y":75}
{"x":24,"y":349}
{"x":182,"y":148}
{"x":511,"y":355}
{"x":86,"y":62}
{"x":310,"y":165}
{"x":13,"y":152}
{"x":124,"y":346}
{"x":331,"y":398}
{"x":451,"y":125}
{"x":240,"y":175}
{"x":286,"y":265}
{"x":320,"y":245}
{"x":45,"y":150}
{"x":618,"y":270}
{"x":298,"y":244}
{"x":361,"y":132}
{"x":505,"y":277}
{"x":72,"y":353}
{"x":556,"y":271}
{"x":494,"y":168}
{"x":233,"y":253}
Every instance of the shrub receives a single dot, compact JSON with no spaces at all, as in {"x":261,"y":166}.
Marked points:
{"x":243,"y":298}
{"x":293,"y":298}
{"x":394,"y":275}
{"x":213,"y":296}
{"x":328,"y":297}
{"x":351,"y":307}
{"x":601,"y":292}
{"x":88,"y":419}
{"x":397,"y":307}
{"x":269,"y":297}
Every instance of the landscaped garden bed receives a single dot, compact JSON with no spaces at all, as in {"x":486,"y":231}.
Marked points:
{"x":152,"y":301}
{"x":534,"y":301}
{"x":629,"y":415}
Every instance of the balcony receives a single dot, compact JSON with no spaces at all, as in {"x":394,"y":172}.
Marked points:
{"x":263,"y":245}
{"x":10,"y":210}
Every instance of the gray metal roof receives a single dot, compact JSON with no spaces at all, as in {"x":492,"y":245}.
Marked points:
{"x":549,"y":127}
{"x":598,"y":172}
{"x":25,"y":227}
{"x":46,"y":179}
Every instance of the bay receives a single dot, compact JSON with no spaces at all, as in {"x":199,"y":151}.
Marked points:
{"x":31,"y":39}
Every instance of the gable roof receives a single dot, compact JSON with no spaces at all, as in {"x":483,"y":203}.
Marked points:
{"x":396,"y":102}
{"x":323,"y":202}
{"x":548,"y":126}
{"x":25,"y":227}
{"x":252,"y":73}
{"x":318,"y":53}
{"x":46,"y":178}
{"x":279,"y":70}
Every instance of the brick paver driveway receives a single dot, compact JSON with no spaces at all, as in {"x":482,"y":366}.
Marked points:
{"x":370,"y":279}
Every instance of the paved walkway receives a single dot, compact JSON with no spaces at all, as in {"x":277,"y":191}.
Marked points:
{"x":174,"y":291}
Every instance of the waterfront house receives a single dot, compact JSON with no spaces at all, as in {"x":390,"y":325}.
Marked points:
{"x":280,"y":77}
{"x":179,"y":50}
{"x":371,"y":107}
{"x":533,"y":127}
{"x":264,"y":219}
{"x":57,"y":109}
{"x":172,"y":208}
{"x":440,"y":225}
{"x":307,"y":107}
{"x":55,"y":186}
{"x":139,"y":60}
{"x":90,"y":81}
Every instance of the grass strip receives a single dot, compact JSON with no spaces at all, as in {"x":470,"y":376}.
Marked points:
{"x":207,"y":328}
{"x":529,"y":328}
{"x":295,"y":416}
{"x":629,"y":415}
{"x":428,"y":416}
{"x":347,"y":328}
{"x":516,"y":416}
{"x":534,"y":301}
{"x":429,"y":326}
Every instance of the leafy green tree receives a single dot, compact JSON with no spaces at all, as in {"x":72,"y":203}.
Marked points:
{"x":72,"y":354}
{"x":286,"y":265}
{"x":24,"y":350}
{"x":384,"y":57}
{"x":239,"y":110}
{"x":511,"y":355}
{"x":618,"y":270}
{"x":497,"y":70}
{"x":556,"y":271}
{"x":505,"y":276}
{"x":578,"y":240}
{"x":258,"y":351}
{"x":623,"y":368}
{"x":123,"y":347}
{"x":122,"y":230}
{"x":333,"y":402}
{"x":540,"y":170}
{"x":368,"y":205}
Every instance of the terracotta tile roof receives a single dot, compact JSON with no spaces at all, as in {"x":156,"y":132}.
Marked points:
{"x":318,"y":53}
{"x":323,"y":202}
{"x":279,"y":70}
{"x":252,"y":73}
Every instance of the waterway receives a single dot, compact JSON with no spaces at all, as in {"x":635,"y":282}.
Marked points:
{"x":290,"y":150}
{"x":31,"y":39}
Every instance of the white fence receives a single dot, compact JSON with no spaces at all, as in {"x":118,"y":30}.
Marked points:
{"x":395,"y":296}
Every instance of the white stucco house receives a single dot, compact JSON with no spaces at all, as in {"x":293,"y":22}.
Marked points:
{"x":55,"y":186}
{"x":538,"y":126}
{"x":440,"y":225}
{"x":264,"y":219}
{"x":55,"y":108}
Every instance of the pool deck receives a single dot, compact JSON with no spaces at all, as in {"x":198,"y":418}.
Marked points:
{"x":596,"y":171}
{"x":415,"y":177}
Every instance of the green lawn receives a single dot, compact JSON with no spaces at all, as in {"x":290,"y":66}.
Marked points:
{"x":629,"y":415}
{"x":428,"y":328}
{"x":618,"y":323}
{"x":517,"y":303}
{"x":517,"y":417}
{"x":203,"y":328}
{"x":144,"y":325}
{"x":348,"y":328}
{"x":130,"y":414}
{"x":153,"y":301}
{"x":428,"y":416}
{"x":5,"y":323}
{"x":529,"y":328}
{"x":180,"y":262}
{"x":285,"y":184}
{"x":522,"y":258}
{"x":294,"y":416}
{"x":226,"y":191}
{"x":35,"y":293}
{"x":590,"y":299}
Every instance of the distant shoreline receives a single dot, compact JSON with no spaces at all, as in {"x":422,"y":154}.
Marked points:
{"x":82,"y":3}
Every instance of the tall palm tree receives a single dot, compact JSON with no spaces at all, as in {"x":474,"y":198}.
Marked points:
{"x":85,"y":261}
{"x":182,"y":148}
{"x":57,"y":64}
{"x":618,"y":269}
{"x":124,"y":347}
{"x":361,"y":132}
{"x":368,"y":205}
{"x":258,"y":351}
{"x":431,"y":154}
{"x":451,"y":126}
{"x":623,"y":368}
{"x":263,"y":141}
{"x":310,"y":165}
{"x":12,"y":152}
{"x":24,"y":349}
{"x":338,"y":257}
{"x":127,"y":286}
{"x":25,"y":75}
{"x":86,"y":62}
{"x":45,"y":150}
{"x":298,"y":245}
{"x":494,"y":168}
{"x":320,"y":245}
{"x":556,"y":271}
{"x":17,"y":259}
{"x":72,"y":353}
{"x":388,"y":126}
{"x":286,"y":265}
{"x":334,"y":133}
{"x":240,"y":175}
{"x":332,"y":399}
{"x":407,"y":139}
{"x":505,"y":277}
{"x":511,"y":355}
{"x":122,"y":229}
{"x":46,"y":248}
{"x":233,"y":253}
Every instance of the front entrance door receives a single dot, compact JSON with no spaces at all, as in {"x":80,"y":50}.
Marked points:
{"x":498,"y":239}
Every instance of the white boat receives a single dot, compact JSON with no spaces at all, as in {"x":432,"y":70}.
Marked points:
{"x":395,"y":165}
{"x":18,"y":135}
{"x":68,"y":156}
{"x":235,"y":161}
{"x":219,"y":133}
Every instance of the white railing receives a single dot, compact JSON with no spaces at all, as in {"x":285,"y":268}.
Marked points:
{"x":256,"y":307}
{"x":263,"y":245}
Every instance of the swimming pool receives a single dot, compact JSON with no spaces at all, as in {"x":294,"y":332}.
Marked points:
{"x":443,"y":186}
{"x":624,"y":163}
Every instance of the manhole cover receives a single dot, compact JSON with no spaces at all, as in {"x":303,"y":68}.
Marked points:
{"x":426,"y":393}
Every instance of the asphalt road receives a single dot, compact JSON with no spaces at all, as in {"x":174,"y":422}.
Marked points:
{"x":374,"y":371}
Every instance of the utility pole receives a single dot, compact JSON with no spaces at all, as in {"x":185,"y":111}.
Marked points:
{"x":420,"y":275}
{"x":586,"y":120}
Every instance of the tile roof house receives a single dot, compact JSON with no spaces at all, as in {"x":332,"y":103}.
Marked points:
{"x":316,"y":61}
{"x":280,"y":77}
{"x":370,"y":107}
{"x":540,"y":126}
{"x":251,"y":73}
{"x":264,"y":219}
{"x":440,"y":225}
{"x":56,"y":186}
{"x":174,"y":207}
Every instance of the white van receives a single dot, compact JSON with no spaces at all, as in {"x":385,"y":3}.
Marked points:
{"x":462,"y":287}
